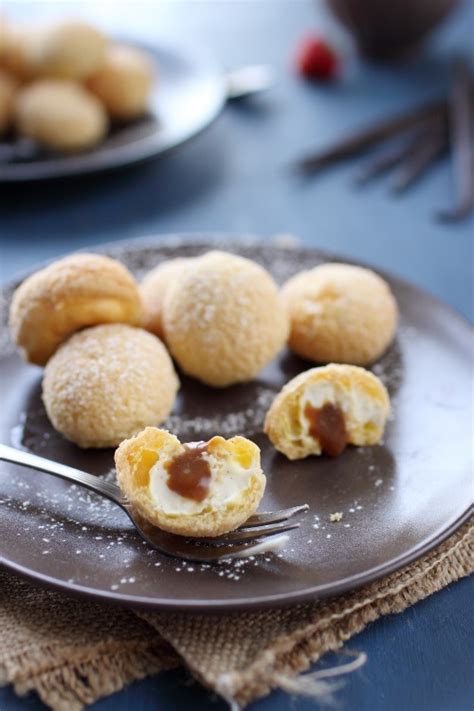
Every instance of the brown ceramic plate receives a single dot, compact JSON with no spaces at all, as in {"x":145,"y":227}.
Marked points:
{"x":398,"y":499}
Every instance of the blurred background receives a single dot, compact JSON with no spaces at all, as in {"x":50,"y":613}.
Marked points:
{"x":238,"y":176}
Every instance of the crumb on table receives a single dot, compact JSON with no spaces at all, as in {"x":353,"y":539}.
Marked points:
{"x":336,"y":516}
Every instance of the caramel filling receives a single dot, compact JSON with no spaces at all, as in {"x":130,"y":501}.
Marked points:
{"x":327,"y":425}
{"x":189,"y":474}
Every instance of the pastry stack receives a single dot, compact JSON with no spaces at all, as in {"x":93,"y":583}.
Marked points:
{"x":61,"y":84}
{"x":109,"y":344}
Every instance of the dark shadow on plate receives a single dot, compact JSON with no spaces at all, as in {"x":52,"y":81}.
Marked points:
{"x":253,"y":107}
{"x":330,"y":482}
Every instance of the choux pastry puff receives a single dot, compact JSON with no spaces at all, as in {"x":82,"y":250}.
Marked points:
{"x":340,"y":313}
{"x":106,"y":383}
{"x":71,"y":49}
{"x":8,"y":90}
{"x":324,"y":409}
{"x":60,"y":114}
{"x":195,"y":489}
{"x":223,"y":319}
{"x":153,"y":290}
{"x":72,"y":293}
{"x":123,"y":81}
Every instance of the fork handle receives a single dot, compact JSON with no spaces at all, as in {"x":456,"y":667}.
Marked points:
{"x":94,"y":483}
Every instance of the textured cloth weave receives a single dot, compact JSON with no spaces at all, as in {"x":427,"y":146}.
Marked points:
{"x":73,"y":652}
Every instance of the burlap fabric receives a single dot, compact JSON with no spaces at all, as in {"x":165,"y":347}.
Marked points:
{"x":73,"y":652}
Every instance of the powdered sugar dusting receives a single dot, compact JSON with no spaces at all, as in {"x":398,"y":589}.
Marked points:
{"x":79,"y":531}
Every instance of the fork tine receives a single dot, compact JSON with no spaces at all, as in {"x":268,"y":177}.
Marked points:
{"x":202,"y":551}
{"x":263,"y":518}
{"x":239,"y":535}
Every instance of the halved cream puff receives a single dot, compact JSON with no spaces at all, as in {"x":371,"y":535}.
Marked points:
{"x":325,"y":409}
{"x":201,"y":489}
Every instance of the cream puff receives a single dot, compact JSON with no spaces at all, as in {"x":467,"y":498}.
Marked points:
{"x":60,"y":114}
{"x":72,"y":293}
{"x":201,"y":489}
{"x":153,"y":289}
{"x":123,"y":81}
{"x":71,"y":49}
{"x":17,"y":49}
{"x":324,"y":409}
{"x":107,"y":383}
{"x":8,"y":89}
{"x":224,"y":320}
{"x":340,"y":313}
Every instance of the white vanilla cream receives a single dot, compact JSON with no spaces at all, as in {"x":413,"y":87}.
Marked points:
{"x":357,"y":407}
{"x":228,"y":481}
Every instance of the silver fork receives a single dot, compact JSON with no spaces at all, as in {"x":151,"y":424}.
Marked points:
{"x":238,"y":543}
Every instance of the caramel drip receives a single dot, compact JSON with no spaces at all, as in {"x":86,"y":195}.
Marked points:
{"x":328,"y":426}
{"x":189,"y":474}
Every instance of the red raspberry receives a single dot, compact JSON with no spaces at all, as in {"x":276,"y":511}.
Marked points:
{"x":315,"y":59}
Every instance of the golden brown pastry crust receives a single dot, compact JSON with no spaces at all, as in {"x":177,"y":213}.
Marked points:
{"x":136,"y":456}
{"x":153,"y":289}
{"x":224,"y":320}
{"x":72,"y":49}
{"x":60,"y":114}
{"x":16,"y":50}
{"x":360,"y":395}
{"x":68,"y":50}
{"x":8,"y":89}
{"x":123,"y":81}
{"x":108,"y":382}
{"x":74,"y":292}
{"x":340,"y":313}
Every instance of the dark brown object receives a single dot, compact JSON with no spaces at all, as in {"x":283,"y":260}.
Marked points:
{"x":383,"y":162}
{"x":393,"y":29}
{"x":430,"y":147}
{"x":461,"y":121}
{"x":189,"y":473}
{"x":376,"y":133}
{"x":328,"y":426}
{"x":392,"y":155}
{"x":414,"y":490}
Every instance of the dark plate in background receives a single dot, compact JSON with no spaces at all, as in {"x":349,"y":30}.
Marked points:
{"x":188,"y":94}
{"x":398,"y":499}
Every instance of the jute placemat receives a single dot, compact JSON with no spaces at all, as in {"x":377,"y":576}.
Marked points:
{"x":73,"y":652}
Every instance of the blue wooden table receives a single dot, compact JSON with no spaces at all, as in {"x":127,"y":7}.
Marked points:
{"x":235,"y":178}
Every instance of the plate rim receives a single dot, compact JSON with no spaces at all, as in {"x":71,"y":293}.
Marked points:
{"x":196,"y":56}
{"x":233,"y":242}
{"x":313,"y":594}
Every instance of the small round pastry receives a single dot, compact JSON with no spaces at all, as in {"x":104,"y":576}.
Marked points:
{"x":201,"y":489}
{"x":77,"y":291}
{"x":69,"y":50}
{"x":107,"y":383}
{"x":123,"y":82}
{"x":60,"y":114}
{"x":325,"y":409}
{"x":340,"y":313}
{"x":8,"y":88}
{"x":3,"y":32}
{"x":18,"y":49}
{"x":224,"y":320}
{"x":153,"y":289}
